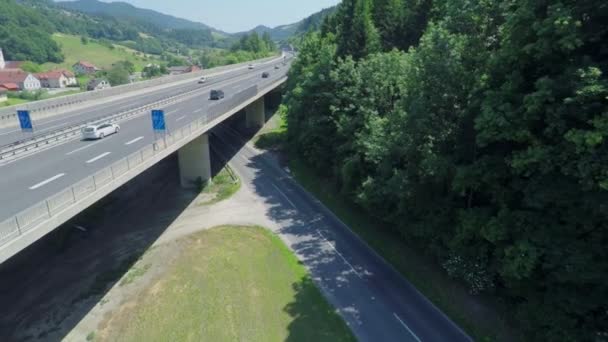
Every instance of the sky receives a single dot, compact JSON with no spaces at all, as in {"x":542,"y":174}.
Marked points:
{"x":237,"y":15}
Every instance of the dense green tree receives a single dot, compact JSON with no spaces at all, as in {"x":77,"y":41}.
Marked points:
{"x":356,"y":35}
{"x":118,"y":75}
{"x":484,"y":140}
{"x":387,"y":16}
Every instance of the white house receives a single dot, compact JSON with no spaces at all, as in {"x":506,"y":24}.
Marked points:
{"x":2,"y":62}
{"x":24,"y":80}
{"x":57,"y":79}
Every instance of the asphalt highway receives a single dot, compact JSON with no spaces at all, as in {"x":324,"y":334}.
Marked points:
{"x":376,"y":302}
{"x":11,"y":134}
{"x":31,"y":179}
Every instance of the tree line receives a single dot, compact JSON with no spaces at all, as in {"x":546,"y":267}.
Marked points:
{"x":478,"y":130}
{"x":252,"y":42}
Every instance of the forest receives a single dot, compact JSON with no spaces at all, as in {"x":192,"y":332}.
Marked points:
{"x":477,"y":129}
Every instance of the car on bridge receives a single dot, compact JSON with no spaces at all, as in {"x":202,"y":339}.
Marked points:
{"x":99,"y":131}
{"x":216,"y":94}
{"x":265,"y":75}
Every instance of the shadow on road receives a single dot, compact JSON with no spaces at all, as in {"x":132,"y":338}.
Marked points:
{"x":307,"y":232}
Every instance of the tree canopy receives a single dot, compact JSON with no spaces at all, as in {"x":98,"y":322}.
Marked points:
{"x":479,"y":130}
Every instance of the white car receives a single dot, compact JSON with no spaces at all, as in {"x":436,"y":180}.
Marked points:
{"x":202,"y":80}
{"x":99,"y":131}
{"x":251,"y":66}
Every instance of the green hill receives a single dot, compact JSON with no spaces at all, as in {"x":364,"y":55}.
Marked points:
{"x":101,"y":55}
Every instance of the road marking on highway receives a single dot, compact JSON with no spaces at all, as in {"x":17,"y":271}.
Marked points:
{"x":85,"y":147}
{"x":45,"y":182}
{"x":285,"y":196}
{"x":133,"y":141}
{"x":199,"y":110}
{"x":98,"y":157}
{"x":341,"y":256}
{"x":406,"y":327}
{"x":180,"y":118}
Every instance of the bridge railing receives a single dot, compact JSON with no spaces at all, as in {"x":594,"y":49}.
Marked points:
{"x":39,"y":109}
{"x":29,"y":218}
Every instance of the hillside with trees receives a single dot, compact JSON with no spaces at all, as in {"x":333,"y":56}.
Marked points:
{"x":479,"y":131}
{"x":26,"y":32}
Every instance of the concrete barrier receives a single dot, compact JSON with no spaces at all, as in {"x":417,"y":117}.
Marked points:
{"x":50,"y":107}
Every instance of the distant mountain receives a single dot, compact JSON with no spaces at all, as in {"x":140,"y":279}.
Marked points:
{"x":123,"y":10}
{"x":284,"y":32}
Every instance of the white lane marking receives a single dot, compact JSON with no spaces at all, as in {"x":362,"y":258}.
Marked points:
{"x":45,"y":182}
{"x":285,"y":196}
{"x":133,"y":141}
{"x":180,"y":118}
{"x":341,"y":256}
{"x":63,"y":117}
{"x":199,"y":110}
{"x":406,"y":327}
{"x":98,"y":157}
{"x":85,"y":147}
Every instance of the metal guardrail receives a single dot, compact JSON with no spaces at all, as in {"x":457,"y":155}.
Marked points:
{"x":15,"y":149}
{"x":29,"y":218}
{"x":60,"y":103}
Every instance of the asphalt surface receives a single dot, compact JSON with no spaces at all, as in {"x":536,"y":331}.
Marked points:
{"x":29,"y":180}
{"x":374,"y":299}
{"x":11,"y":134}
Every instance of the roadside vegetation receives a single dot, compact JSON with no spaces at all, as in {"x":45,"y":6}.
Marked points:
{"x":225,"y":184}
{"x":229,"y":284}
{"x":476,"y":133}
{"x":274,"y":134}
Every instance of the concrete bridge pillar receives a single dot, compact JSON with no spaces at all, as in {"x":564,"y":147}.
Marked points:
{"x":255,"y":114}
{"x":195,"y":162}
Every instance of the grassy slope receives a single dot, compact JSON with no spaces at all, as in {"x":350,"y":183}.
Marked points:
{"x":93,"y":52}
{"x":231,"y":284}
{"x":222,"y":186}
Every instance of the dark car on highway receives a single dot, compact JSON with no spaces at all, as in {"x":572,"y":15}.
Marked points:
{"x":265,"y":75}
{"x":216,"y":94}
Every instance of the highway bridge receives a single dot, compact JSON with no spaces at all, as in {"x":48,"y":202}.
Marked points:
{"x":53,"y":175}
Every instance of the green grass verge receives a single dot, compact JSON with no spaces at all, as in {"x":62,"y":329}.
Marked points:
{"x":12,"y":102}
{"x":274,"y":134}
{"x":222,"y":187}
{"x":98,"y":54}
{"x":424,"y":273}
{"x":231,"y":284}
{"x":134,"y":273}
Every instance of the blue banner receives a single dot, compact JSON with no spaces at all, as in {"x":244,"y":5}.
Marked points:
{"x":158,"y":120}
{"x":25,"y":121}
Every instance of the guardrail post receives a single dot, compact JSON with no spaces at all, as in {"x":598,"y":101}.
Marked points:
{"x":18,"y":225}
{"x":48,"y":208}
{"x":73,"y":194}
